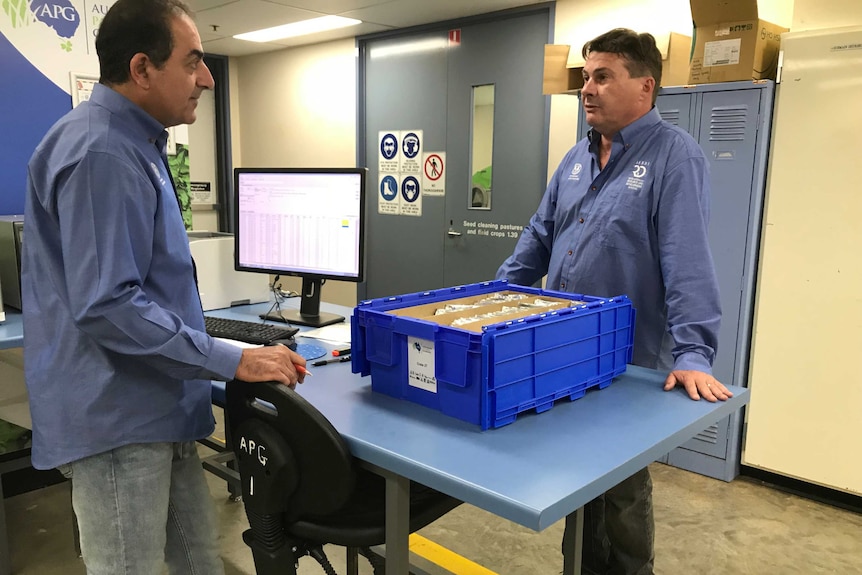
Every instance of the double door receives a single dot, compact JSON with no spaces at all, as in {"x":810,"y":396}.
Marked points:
{"x":732,"y":122}
{"x":474,"y":90}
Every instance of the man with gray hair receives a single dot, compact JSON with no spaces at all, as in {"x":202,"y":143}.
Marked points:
{"x":117,"y":361}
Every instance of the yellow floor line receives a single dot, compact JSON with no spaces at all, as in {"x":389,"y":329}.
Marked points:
{"x":445,"y":558}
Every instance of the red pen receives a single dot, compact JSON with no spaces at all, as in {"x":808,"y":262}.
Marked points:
{"x":301,"y":369}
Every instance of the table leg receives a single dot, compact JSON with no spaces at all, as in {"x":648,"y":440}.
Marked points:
{"x":573,"y":542}
{"x":397,"y":524}
{"x":397,"y":544}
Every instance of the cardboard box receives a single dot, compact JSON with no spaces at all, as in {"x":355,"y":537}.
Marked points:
{"x":563,"y":73}
{"x":558,"y":78}
{"x":732,"y":43}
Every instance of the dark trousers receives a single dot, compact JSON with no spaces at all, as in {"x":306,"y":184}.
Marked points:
{"x":619,"y":530}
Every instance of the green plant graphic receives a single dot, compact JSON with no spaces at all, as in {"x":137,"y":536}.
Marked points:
{"x":67,"y":46}
{"x":18,"y":12}
{"x":179,"y":164}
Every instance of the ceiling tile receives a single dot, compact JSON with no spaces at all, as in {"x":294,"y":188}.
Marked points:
{"x":359,"y":30}
{"x":234,"y":47}
{"x":331,"y":6}
{"x":403,"y":13}
{"x":247,"y":16}
{"x":198,"y":5}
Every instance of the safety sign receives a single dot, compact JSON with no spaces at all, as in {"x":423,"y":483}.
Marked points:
{"x":411,"y":152}
{"x":411,"y":198}
{"x":390,"y":154}
{"x":434,"y":173}
{"x":389,"y":201}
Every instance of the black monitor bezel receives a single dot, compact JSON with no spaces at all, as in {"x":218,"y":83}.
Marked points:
{"x":363,"y":173}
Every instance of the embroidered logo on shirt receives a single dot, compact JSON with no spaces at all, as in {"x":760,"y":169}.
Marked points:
{"x":636,"y":180}
{"x":157,"y":173}
{"x":576,"y":172}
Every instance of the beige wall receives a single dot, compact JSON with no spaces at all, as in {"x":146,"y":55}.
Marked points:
{"x":813,"y":14}
{"x":297,"y":108}
{"x":483,"y":137}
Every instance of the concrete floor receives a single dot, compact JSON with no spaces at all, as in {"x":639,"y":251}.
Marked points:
{"x":704,"y":526}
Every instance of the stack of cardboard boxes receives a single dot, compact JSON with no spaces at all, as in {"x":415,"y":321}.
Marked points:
{"x":730,"y":43}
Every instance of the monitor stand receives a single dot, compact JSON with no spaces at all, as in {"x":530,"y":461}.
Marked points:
{"x":309,"y":308}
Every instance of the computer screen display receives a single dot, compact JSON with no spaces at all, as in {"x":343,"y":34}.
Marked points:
{"x":304,"y":222}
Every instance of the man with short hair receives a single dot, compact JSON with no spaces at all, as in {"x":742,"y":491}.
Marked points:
{"x":627,"y":212}
{"x":117,"y":361}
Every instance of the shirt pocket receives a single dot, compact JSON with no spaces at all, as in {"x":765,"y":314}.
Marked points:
{"x":625,"y":223}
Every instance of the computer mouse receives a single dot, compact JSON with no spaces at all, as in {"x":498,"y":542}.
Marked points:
{"x":287,"y":342}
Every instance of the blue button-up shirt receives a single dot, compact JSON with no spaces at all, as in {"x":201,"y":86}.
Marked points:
{"x":638,"y":227}
{"x":114,"y":345}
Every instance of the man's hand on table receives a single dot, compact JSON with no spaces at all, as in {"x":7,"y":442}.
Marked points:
{"x":698,"y":384}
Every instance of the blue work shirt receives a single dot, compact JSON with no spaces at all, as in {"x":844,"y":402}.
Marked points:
{"x":115,"y":351}
{"x":638,"y":227}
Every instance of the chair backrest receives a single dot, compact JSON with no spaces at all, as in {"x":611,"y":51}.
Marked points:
{"x":292,"y":460}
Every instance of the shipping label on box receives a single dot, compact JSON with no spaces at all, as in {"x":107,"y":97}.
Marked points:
{"x":420,"y":364}
{"x":722,"y":52}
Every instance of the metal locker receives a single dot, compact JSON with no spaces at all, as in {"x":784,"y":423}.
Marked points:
{"x":732,"y":123}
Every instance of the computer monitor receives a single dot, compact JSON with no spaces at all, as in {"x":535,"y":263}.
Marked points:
{"x":306,"y":222}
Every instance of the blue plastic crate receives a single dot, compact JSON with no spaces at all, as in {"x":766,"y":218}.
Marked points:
{"x":488,"y":378}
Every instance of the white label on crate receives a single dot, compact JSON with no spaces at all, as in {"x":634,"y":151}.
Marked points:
{"x":420,"y":364}
{"x":722,"y":52}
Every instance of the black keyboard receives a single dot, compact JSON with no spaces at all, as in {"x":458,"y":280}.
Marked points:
{"x":247,"y":331}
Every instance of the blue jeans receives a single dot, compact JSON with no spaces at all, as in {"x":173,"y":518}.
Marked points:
{"x":619,"y":530}
{"x":142,"y":506}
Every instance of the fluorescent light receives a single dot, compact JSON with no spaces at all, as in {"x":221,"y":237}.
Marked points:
{"x":298,"y":29}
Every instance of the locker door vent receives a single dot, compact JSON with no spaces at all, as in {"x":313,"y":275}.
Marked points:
{"x":670,"y":116}
{"x":709,"y":435}
{"x":727,"y":123}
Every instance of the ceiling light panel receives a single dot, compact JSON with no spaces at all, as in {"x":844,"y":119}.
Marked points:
{"x":302,"y":28}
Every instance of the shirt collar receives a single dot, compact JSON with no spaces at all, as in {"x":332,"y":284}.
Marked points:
{"x":141,"y":122}
{"x":629,"y":134}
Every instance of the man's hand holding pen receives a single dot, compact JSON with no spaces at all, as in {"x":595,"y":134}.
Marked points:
{"x":272,"y":363}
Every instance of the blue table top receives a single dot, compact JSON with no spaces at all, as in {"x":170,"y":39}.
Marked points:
{"x":12,"y":330}
{"x":534,"y":471}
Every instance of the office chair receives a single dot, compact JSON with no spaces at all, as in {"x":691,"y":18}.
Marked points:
{"x":302,"y":488}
